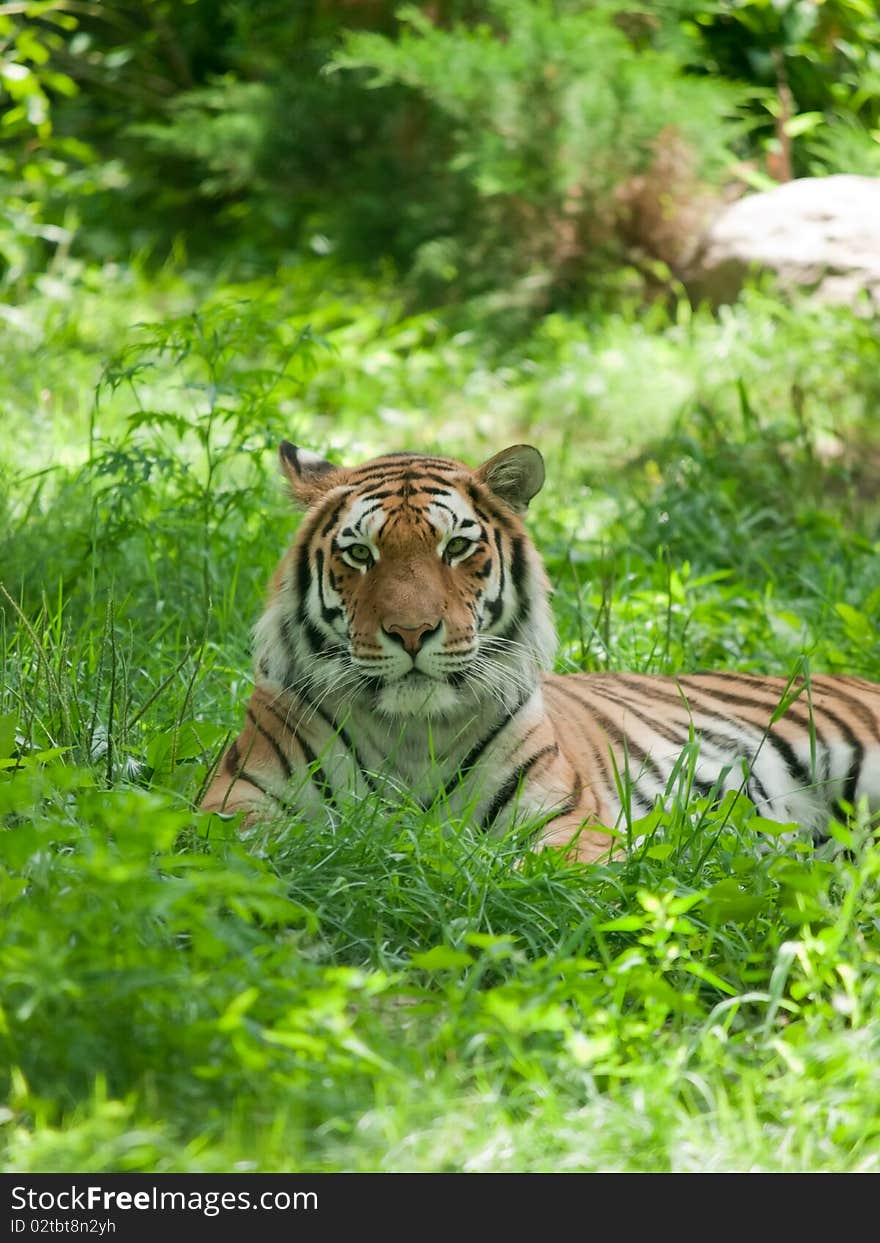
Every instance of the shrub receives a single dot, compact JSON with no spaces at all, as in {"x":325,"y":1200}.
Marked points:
{"x":551,"y":126}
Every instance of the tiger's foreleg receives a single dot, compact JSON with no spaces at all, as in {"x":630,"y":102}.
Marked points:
{"x":229,"y":795}
{"x":580,"y":842}
{"x":574,"y":827}
{"x":255,"y":772}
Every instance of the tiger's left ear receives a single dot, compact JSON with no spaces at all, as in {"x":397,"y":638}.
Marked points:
{"x":307,"y":474}
{"x":515,"y":474}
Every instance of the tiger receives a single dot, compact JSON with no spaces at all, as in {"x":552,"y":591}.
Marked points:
{"x":406,"y":649}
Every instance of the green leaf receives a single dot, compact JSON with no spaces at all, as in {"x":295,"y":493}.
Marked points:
{"x":727,"y":901}
{"x":7,"y":735}
{"x":857,"y":625}
{"x":772,"y":828}
{"x":625,"y":923}
{"x":441,"y":958}
{"x":803,"y":123}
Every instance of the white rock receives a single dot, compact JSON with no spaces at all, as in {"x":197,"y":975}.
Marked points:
{"x":822,"y":233}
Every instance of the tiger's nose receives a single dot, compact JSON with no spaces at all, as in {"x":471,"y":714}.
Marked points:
{"x":411,"y":637}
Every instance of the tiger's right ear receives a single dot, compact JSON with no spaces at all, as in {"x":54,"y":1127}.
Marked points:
{"x":307,"y":474}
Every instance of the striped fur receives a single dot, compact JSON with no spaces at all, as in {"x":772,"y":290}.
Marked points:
{"x":404,"y":648}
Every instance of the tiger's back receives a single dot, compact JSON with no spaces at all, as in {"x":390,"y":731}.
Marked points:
{"x":798,"y":749}
{"x":405,"y":648}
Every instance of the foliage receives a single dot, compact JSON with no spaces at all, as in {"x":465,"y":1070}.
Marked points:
{"x":549,"y":116}
{"x":212,"y":113}
{"x":35,"y":161}
{"x":398,"y":992}
{"x":201,"y":231}
{"x":537,"y":142}
{"x":817,"y":70}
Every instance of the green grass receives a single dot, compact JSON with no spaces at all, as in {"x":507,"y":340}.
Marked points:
{"x":394,"y":992}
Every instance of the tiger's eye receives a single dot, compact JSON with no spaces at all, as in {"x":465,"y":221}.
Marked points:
{"x":360,"y":554}
{"x":457,"y":545}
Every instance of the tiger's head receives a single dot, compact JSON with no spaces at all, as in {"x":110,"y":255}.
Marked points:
{"x":412,"y":587}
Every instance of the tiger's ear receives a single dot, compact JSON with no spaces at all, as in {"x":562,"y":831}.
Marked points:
{"x":515,"y":474}
{"x":307,"y":474}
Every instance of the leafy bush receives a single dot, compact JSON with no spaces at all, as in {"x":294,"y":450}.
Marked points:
{"x":532,"y":147}
{"x":36,"y":162}
{"x":547,"y":116}
{"x":815,"y":74}
{"x":396,"y":991}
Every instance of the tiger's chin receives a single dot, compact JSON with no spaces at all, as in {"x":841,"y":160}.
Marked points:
{"x":418,"y":695}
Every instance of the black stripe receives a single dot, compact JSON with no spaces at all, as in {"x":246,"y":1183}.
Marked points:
{"x":852,"y":782}
{"x":258,"y":785}
{"x":705,"y":789}
{"x":481,"y":513}
{"x":620,"y":741}
{"x":768,"y":700}
{"x":404,"y":461}
{"x":708,"y":789}
{"x":766,"y":736}
{"x":671,"y":731}
{"x":485,"y":506}
{"x":730,"y":745}
{"x":522,"y":603}
{"x":600,"y":755}
{"x":288,"y":632}
{"x":328,"y":614}
{"x":473,"y":756}
{"x":408,"y":514}
{"x":231,"y":760}
{"x":707,"y":697}
{"x":231,"y":763}
{"x":510,"y":786}
{"x":573,"y":799}
{"x":791,"y":762}
{"x":496,"y":607}
{"x":273,"y":742}
{"x":513,"y":626}
{"x":755,"y":783}
{"x":334,"y":514}
{"x":665,"y":730}
{"x":379,"y":475}
{"x":415,"y":476}
{"x":320,"y":645}
{"x":518,"y":565}
{"x":340,"y":731}
{"x":413,"y":455}
{"x":316,"y":772}
{"x":365,"y":513}
{"x":315,"y":517}
{"x":314,"y":708}
{"x":858,"y":757}
{"x":784,"y":749}
{"x":303,"y":578}
{"x":407,"y":473}
{"x":282,"y":717}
